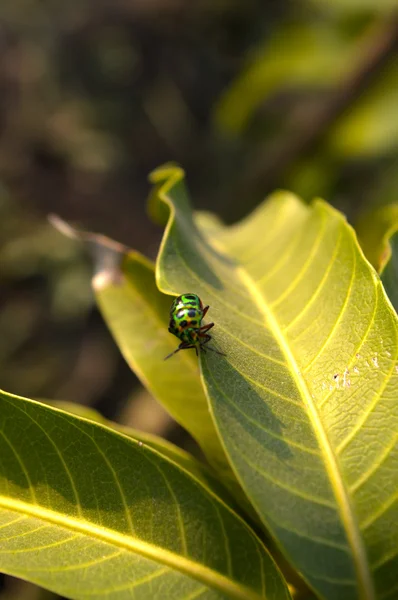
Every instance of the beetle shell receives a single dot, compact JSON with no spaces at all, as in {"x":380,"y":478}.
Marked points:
{"x":186,"y":316}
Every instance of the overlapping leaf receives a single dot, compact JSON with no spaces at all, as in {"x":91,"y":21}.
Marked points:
{"x":180,"y":457}
{"x":389,"y":274}
{"x":370,"y":127}
{"x":138,"y":315}
{"x":306,"y":399}
{"x":302,"y":54}
{"x":88,"y":512}
{"x":378,"y":235}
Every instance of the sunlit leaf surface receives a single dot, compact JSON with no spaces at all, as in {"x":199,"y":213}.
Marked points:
{"x":88,"y":512}
{"x":306,"y":399}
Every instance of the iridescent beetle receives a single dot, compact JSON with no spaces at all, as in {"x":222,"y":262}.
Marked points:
{"x":186,"y":314}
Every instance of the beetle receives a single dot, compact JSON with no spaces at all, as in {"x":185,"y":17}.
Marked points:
{"x":186,"y":315}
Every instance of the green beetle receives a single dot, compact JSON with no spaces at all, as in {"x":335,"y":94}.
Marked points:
{"x":186,"y":315}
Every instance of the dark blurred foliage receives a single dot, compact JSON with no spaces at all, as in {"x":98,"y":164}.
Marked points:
{"x":94,"y":94}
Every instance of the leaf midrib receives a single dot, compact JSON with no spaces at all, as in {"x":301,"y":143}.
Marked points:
{"x":204,"y":574}
{"x":342,"y":499}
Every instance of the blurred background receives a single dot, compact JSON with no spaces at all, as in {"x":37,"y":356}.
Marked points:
{"x":247,"y":96}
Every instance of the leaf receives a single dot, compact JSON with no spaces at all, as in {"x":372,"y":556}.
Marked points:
{"x":86,"y":511}
{"x":375,"y":228}
{"x":370,"y":127}
{"x":306,"y":399}
{"x":389,"y":275}
{"x":138,"y":315}
{"x":378,"y":235}
{"x":180,"y":457}
{"x":300,"y":55}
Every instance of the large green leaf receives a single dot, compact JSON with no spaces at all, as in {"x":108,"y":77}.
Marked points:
{"x":306,"y":399}
{"x":86,"y":511}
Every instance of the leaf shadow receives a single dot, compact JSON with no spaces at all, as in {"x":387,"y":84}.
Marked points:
{"x":195,"y":251}
{"x":235,"y":395}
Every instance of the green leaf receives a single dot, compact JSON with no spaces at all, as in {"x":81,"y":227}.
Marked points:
{"x":300,"y":55}
{"x":378,"y":235}
{"x":389,"y":275}
{"x":180,"y":457}
{"x":370,"y":127}
{"x":375,"y":228}
{"x":86,"y":511}
{"x":138,"y":315}
{"x":305,"y":401}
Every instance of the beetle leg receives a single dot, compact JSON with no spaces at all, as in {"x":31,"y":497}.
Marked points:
{"x":182,"y":346}
{"x":207,"y":339}
{"x":206,"y":308}
{"x":205,"y":328}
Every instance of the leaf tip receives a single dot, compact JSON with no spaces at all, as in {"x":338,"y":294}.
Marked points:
{"x":164,"y":178}
{"x":168,"y":171}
